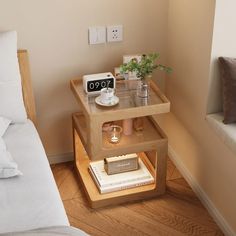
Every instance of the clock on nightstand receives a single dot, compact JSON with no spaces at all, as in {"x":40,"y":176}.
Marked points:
{"x":94,"y":83}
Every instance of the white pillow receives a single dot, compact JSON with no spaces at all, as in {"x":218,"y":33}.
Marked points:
{"x":11,"y":98}
{"x":4,"y":123}
{"x":8,"y":168}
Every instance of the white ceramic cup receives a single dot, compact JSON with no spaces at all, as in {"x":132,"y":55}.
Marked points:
{"x":107,"y":95}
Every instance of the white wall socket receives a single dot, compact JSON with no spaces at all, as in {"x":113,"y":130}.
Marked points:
{"x":97,"y":35}
{"x":114,"y":33}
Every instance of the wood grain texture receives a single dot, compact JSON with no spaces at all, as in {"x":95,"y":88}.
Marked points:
{"x":156,"y":164}
{"x":27,"y":89}
{"x":129,"y":106}
{"x":177,"y":212}
{"x":88,"y":135}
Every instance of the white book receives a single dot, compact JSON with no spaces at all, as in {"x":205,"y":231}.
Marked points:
{"x":119,"y":187}
{"x":123,"y":179}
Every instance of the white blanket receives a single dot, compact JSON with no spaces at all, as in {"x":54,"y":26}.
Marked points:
{"x":32,"y":200}
{"x":8,"y":168}
{"x":51,"y":231}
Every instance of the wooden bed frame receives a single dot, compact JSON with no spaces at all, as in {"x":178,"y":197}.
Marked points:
{"x":27,"y":89}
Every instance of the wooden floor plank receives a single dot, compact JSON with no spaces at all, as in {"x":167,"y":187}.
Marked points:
{"x":176,"y":174}
{"x":139,"y":221}
{"x":171,"y":219}
{"x":178,"y":212}
{"x":181,"y":192}
{"x":91,"y":230}
{"x":182,"y":182}
{"x":99,"y":220}
{"x":183,"y":208}
{"x":61,"y":171}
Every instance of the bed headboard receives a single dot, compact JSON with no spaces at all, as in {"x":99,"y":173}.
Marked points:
{"x":27,"y":89}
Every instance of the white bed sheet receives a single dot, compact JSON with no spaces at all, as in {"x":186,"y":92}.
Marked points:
{"x":30,"y":201}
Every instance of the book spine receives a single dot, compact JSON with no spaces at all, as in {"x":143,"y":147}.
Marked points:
{"x":104,"y":183}
{"x":94,"y":178}
{"x":118,"y":182}
{"x":120,"y":187}
{"x":124,"y":182}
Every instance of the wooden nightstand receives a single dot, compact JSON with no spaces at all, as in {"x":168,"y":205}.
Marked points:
{"x":90,"y":142}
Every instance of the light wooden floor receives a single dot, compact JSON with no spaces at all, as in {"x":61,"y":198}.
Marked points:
{"x":178,"y":212}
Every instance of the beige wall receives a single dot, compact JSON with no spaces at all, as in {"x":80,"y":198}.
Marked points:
{"x":223,"y":44}
{"x":55,"y":33}
{"x":189,"y":53}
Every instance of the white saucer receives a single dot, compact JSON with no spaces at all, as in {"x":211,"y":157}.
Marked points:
{"x":113,"y":102}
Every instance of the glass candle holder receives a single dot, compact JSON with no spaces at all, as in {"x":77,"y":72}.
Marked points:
{"x":114,"y":133}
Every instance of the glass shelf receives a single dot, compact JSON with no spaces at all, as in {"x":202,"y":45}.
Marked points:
{"x":128,"y":100}
{"x":140,"y":141}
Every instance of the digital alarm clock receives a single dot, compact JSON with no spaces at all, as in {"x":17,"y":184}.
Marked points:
{"x":94,"y":83}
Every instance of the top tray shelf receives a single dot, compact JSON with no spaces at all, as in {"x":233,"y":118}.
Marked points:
{"x":129,"y":103}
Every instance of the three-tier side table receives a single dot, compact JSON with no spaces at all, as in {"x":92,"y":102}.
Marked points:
{"x":91,"y":143}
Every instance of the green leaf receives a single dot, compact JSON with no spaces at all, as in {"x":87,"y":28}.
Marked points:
{"x":145,"y":67}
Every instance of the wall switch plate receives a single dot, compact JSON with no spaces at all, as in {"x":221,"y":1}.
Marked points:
{"x":97,"y":35}
{"x":114,"y":33}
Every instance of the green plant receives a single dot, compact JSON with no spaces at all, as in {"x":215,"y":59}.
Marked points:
{"x":144,"y":67}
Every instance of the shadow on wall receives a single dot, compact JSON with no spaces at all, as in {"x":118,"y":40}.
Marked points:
{"x":55,"y":125}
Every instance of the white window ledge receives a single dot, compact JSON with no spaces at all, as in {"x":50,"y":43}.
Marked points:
{"x":226,"y":132}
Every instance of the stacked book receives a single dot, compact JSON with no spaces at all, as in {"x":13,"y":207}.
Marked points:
{"x":110,"y":183}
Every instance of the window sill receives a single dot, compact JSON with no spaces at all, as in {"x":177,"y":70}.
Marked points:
{"x":227,"y":133}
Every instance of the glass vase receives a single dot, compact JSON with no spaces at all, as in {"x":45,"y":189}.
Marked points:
{"x":143,"y":88}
